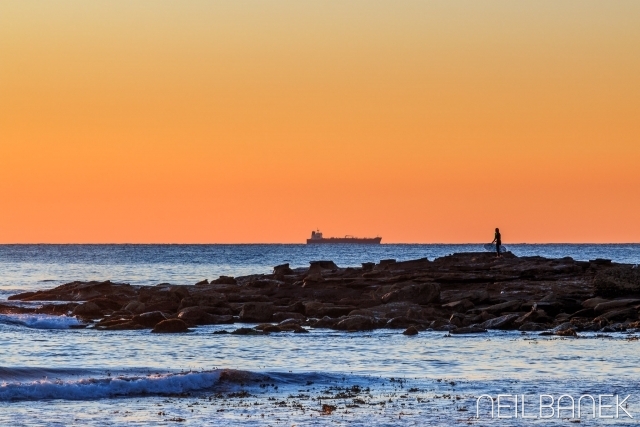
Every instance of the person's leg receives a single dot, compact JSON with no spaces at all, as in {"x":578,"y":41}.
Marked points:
{"x":498,"y":248}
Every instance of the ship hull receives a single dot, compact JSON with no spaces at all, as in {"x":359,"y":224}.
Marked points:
{"x":371,"y":241}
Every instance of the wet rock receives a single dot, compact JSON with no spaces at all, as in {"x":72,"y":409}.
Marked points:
{"x":280,"y":316}
{"x":368,"y":266}
{"x":224,"y":280}
{"x":502,"y":322}
{"x":438,"y":322}
{"x":401,"y":322}
{"x":53,"y":309}
{"x":238,"y":297}
{"x":487,"y":316}
{"x":87,"y":309}
{"x":300,"y":330}
{"x":202,"y":282}
{"x":106,"y":304}
{"x":214,"y":319}
{"x":25,"y":296}
{"x":621,"y":314}
{"x":532,"y":327}
{"x":256,"y":312}
{"x":411,"y":330}
{"x":460,"y":306}
{"x":562,"y":327}
{"x":312,"y":279}
{"x":289,"y":327}
{"x":585,"y":312}
{"x":282,"y":270}
{"x":290,"y":322}
{"x":417,"y":293}
{"x":123,"y":325}
{"x":193,"y":315}
{"x":591,"y":327}
{"x":318,"y":309}
{"x":220,"y":311}
{"x":592,"y":302}
{"x":634,"y":325}
{"x":567,"y":333}
{"x":505,"y":306}
{"x":550,"y":307}
{"x":615,"y":304}
{"x":272,"y":328}
{"x":391,"y":310}
{"x":476,"y":296}
{"x":320,"y":266}
{"x":261,"y":326}
{"x":325,"y":322}
{"x":356,"y":323}
{"x":167,"y":306}
{"x":204,"y":298}
{"x":617,"y":281}
{"x":149,"y":319}
{"x":170,"y":326}
{"x":457,"y":319}
{"x":81,"y":291}
{"x":297,"y":307}
{"x":468,"y":330}
{"x":136,"y":307}
{"x":531,"y":316}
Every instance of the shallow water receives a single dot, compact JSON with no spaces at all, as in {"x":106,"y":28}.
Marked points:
{"x":51,"y":374}
{"x":97,"y":372}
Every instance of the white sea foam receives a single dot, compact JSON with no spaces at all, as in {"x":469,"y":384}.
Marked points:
{"x":40,"y":321}
{"x":100,"y":388}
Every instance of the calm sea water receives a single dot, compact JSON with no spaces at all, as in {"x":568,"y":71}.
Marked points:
{"x":29,"y":267}
{"x":53,"y":375}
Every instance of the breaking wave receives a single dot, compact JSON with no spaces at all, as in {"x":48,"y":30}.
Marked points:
{"x":99,"y":388}
{"x":40,"y":321}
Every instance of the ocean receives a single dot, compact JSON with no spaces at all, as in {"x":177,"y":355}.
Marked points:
{"x":52,"y":374}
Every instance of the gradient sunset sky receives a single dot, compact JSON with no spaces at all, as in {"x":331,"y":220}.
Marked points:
{"x":259,"y":121}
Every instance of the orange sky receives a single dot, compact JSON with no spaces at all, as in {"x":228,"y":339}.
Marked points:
{"x":251,"y":121}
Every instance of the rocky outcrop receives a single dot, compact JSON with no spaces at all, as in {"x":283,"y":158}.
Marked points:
{"x":465,"y":293}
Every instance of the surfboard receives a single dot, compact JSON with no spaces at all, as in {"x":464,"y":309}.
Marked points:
{"x":492,"y":247}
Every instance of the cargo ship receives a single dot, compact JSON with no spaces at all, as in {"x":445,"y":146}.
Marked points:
{"x":316,"y":237}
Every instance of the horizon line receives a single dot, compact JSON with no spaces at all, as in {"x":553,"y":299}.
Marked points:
{"x":305,"y":244}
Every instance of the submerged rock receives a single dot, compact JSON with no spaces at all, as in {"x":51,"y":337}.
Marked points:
{"x":411,"y":330}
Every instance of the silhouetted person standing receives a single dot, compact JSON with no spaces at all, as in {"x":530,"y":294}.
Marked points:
{"x":498,"y":240}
